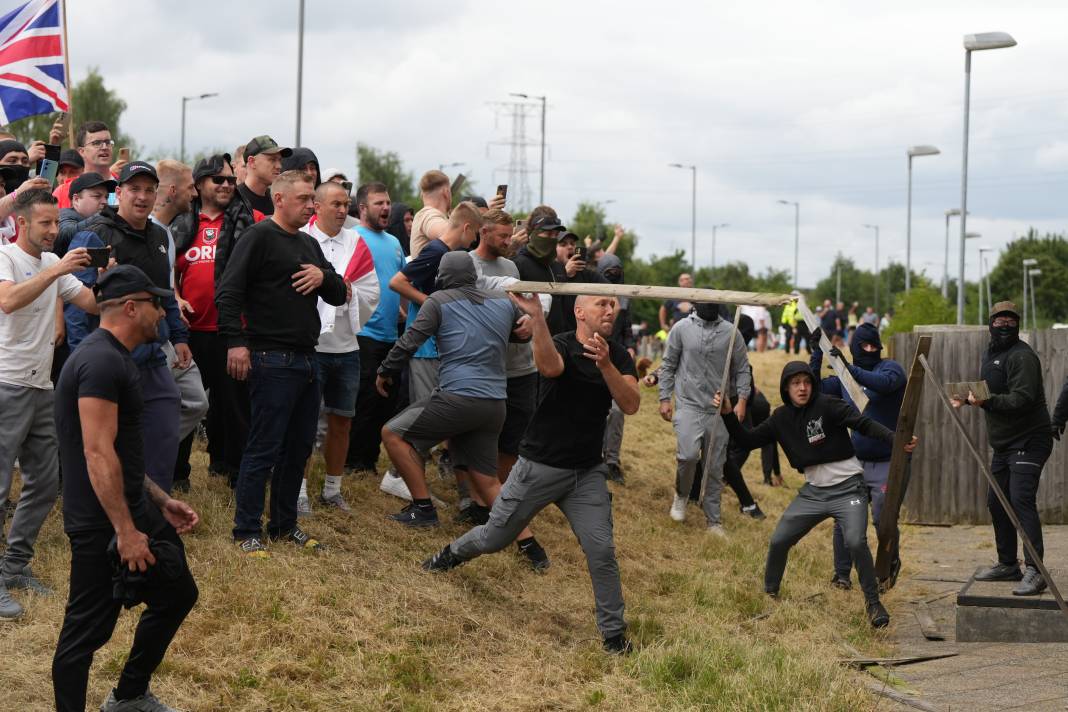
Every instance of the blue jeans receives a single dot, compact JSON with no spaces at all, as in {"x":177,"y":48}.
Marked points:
{"x":284,"y":392}
{"x":339,"y":381}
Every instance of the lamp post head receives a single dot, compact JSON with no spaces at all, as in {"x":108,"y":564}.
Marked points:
{"x":923,"y":150}
{"x":874,"y":227}
{"x":988,"y":40}
{"x":952,"y":212}
{"x":970,"y":235}
{"x":1033,"y":272}
{"x":1028,"y":261}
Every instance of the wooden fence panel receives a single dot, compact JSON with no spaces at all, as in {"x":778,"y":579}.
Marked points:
{"x":946,"y":485}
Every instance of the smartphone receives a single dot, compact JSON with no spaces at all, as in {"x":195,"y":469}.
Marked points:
{"x":457,"y":185}
{"x":98,"y":256}
{"x":521,"y":224}
{"x":502,"y":190}
{"x":124,"y":154}
{"x":582,"y":252}
{"x":49,"y":165}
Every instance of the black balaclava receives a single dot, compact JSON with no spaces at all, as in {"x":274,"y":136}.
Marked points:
{"x":13,"y":177}
{"x":708,"y":311}
{"x":1003,"y":337}
{"x":866,"y":334}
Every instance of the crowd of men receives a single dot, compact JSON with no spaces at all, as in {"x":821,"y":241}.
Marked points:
{"x":261,"y":297}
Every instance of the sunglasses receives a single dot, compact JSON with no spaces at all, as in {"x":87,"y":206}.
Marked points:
{"x":156,"y":301}
{"x":219,"y":180}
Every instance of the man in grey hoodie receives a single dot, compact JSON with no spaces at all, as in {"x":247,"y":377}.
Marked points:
{"x":692,"y":370}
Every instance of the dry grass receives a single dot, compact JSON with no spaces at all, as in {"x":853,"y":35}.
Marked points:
{"x":361,"y":627}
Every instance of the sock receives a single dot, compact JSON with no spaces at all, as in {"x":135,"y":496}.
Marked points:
{"x":332,"y":486}
{"x":750,"y":508}
{"x":304,"y":487}
{"x":524,"y":544}
{"x":423,"y":504}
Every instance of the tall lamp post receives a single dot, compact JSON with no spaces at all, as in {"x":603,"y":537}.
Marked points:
{"x":300,"y":66}
{"x":876,"y":228}
{"x":1034,"y":311}
{"x":186,"y":100}
{"x":541,"y":170}
{"x":693,"y":211}
{"x":983,"y":278}
{"x":1027,"y":263}
{"x":972,"y":43}
{"x":945,"y":265}
{"x":797,"y":236}
{"x":714,"y":229}
{"x":912,"y":153}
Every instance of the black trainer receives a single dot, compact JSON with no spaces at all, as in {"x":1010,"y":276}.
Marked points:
{"x":842,"y":582}
{"x":299,"y":538}
{"x":878,"y":615}
{"x":444,"y":560}
{"x":1001,"y":572}
{"x":754,"y":511}
{"x":535,"y":554}
{"x":1032,"y":584}
{"x":413,"y":516}
{"x":618,"y":645}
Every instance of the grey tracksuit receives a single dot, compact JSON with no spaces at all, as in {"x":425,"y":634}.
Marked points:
{"x":692,"y":369}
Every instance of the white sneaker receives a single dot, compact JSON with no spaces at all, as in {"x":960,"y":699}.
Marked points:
{"x":678,"y":509}
{"x":393,"y":484}
{"x":717,"y":530}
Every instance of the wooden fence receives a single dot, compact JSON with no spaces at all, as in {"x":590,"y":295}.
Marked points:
{"x":946,"y":485}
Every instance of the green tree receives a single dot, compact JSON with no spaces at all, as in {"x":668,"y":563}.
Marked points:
{"x":386,"y":167}
{"x":91,"y":100}
{"x":922,"y":305}
{"x":1006,"y":279}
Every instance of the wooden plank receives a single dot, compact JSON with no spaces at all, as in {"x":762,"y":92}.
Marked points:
{"x":927,"y":623}
{"x":882,"y":690}
{"x":862,"y":662}
{"x":724,"y":379}
{"x":897,"y":480}
{"x":641,"y":291}
{"x":855,"y":391}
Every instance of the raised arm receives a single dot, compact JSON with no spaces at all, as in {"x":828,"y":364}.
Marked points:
{"x":15,"y":296}
{"x":546,"y":358}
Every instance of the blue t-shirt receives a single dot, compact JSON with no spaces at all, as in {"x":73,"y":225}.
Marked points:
{"x":422,"y":272}
{"x":389,"y":259}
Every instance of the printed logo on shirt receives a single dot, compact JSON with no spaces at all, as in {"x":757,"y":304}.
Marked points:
{"x":854,"y":501}
{"x":814,"y":431}
{"x":163,"y":249}
{"x":210,"y":235}
{"x":200,"y":254}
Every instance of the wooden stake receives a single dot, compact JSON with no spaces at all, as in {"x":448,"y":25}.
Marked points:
{"x":67,"y":76}
{"x":723,"y":380}
{"x":641,"y":291}
{"x":855,"y":391}
{"x":984,"y":467}
{"x":897,"y":480}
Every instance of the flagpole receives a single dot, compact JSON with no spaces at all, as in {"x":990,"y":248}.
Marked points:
{"x":66,"y":73}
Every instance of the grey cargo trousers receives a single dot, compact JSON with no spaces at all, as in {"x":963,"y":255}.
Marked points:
{"x":582,"y":496}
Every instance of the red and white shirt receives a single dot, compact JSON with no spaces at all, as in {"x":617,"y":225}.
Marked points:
{"x":351,"y":258}
{"x":195,"y":269}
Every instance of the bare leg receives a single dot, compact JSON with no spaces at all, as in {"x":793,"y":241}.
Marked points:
{"x":337,"y":442}
{"x":409,"y":464}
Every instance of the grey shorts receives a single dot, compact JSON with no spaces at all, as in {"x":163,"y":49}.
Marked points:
{"x":422,"y":378}
{"x":471,"y":425}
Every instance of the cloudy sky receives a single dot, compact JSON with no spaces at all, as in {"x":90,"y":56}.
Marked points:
{"x":814,"y":102}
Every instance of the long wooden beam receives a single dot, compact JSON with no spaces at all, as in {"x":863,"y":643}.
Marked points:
{"x":837,"y":365}
{"x":641,"y":291}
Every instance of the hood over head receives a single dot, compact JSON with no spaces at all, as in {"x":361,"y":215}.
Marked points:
{"x":1003,"y":337}
{"x":610,"y":262}
{"x":301,"y":157}
{"x":457,"y":271}
{"x":866,"y":334}
{"x":789,"y":371}
{"x":746,"y":328}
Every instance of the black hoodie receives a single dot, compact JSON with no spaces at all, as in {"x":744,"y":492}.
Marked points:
{"x":813,"y":434}
{"x":396,"y":228}
{"x":301,"y":157}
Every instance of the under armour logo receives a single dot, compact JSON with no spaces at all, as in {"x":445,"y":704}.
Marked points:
{"x":854,"y":501}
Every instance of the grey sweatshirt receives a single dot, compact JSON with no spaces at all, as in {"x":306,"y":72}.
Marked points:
{"x":693,"y":363}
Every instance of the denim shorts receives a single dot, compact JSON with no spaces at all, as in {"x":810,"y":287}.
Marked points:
{"x":339,"y":381}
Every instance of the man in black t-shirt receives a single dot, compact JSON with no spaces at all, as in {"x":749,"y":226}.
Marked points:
{"x":263,"y":163}
{"x":560,"y":459}
{"x":111,"y":510}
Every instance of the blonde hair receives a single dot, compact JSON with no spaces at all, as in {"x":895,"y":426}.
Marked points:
{"x":171,"y":171}
{"x":465,"y":214}
{"x":432,"y":180}
{"x":496,"y":216}
{"x":286,"y":180}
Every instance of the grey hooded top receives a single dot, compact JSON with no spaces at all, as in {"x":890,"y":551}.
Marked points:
{"x":693,"y":363}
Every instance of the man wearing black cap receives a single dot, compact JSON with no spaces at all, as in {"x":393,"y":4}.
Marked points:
{"x":1018,"y":428}
{"x":119,"y":522}
{"x":71,"y":165}
{"x":136,"y":240}
{"x":203,"y":239}
{"x":883,"y":381}
{"x":263,"y":163}
{"x":88,"y":194}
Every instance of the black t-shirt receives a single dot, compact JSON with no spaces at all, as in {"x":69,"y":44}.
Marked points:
{"x":567,"y":429}
{"x":263,"y":203}
{"x":100,"y":367}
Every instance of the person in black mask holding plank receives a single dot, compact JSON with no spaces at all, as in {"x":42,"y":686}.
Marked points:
{"x":813,"y":430}
{"x":1018,"y":428}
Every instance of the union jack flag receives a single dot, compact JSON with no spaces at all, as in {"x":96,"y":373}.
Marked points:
{"x":32,"y":75}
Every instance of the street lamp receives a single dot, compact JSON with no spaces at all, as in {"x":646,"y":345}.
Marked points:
{"x":983,"y":276}
{"x":693,"y":212}
{"x":186,"y":100}
{"x":1027,"y":262}
{"x":913,"y":152}
{"x":972,"y":43}
{"x":945,"y":265}
{"x":1034,"y":311}
{"x":797,"y":236}
{"x":541,"y":171}
{"x":876,"y":228}
{"x":443,"y":166}
{"x":714,"y":229}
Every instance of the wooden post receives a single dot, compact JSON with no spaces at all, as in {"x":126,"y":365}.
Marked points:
{"x":640,"y":291}
{"x":852,"y":387}
{"x":723,"y":381}
{"x":984,"y":467}
{"x":897,"y":480}
{"x":67,"y":76}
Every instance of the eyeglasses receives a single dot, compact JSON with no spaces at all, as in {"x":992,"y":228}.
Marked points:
{"x":219,"y":180}
{"x":156,"y":301}
{"x":1005,"y":322}
{"x":101,"y":143}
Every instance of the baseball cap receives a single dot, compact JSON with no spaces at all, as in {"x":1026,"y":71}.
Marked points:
{"x":70,"y":157}
{"x":89,"y":180}
{"x":210,"y":166}
{"x":565,"y":234}
{"x":122,"y":280}
{"x":137,"y":168}
{"x":545,"y":223}
{"x":1004,"y":308}
{"x":266,"y":144}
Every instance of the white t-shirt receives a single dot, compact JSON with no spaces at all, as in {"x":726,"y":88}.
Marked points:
{"x":831,"y":473}
{"x":27,"y":337}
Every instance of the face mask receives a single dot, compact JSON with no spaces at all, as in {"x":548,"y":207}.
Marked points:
{"x":867,"y":359}
{"x":1002,"y":337}
{"x":542,"y":248}
{"x":708,"y":312}
{"x":14,"y":176}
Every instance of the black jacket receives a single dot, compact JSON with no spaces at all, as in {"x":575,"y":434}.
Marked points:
{"x":561,"y":316}
{"x":814,"y":434}
{"x":1060,"y":412}
{"x":1016,"y":409}
{"x":237,"y":217}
